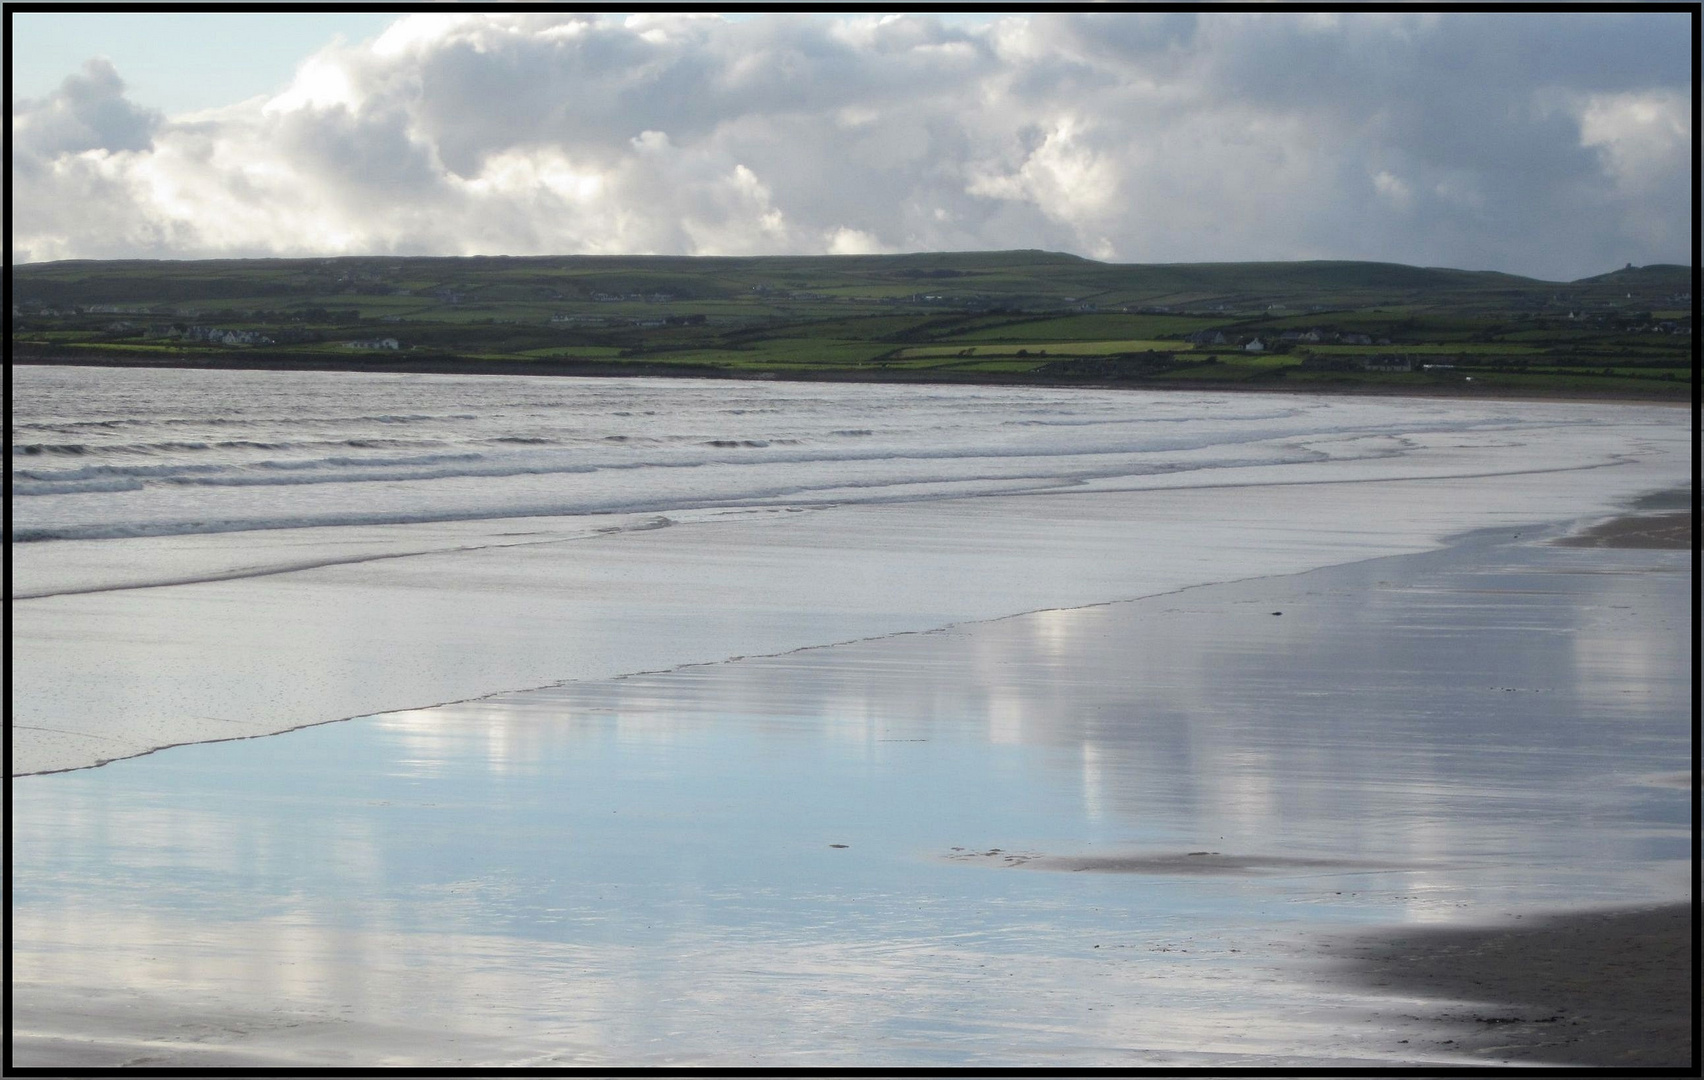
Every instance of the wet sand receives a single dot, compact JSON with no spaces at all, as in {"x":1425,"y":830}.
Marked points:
{"x":1671,"y":531}
{"x":1282,"y":822}
{"x":1660,"y":520}
{"x":1597,"y":988}
{"x":1657,"y":394}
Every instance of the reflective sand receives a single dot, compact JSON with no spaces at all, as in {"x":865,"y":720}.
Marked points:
{"x":723,"y":521}
{"x":1097,"y":836}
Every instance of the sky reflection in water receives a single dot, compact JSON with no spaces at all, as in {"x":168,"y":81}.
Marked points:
{"x":645,"y":868}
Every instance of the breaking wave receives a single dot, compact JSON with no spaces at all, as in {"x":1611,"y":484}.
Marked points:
{"x":211,"y":452}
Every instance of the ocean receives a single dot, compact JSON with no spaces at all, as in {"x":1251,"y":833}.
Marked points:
{"x":761,"y":724}
{"x":103,"y":454}
{"x":205,"y":554}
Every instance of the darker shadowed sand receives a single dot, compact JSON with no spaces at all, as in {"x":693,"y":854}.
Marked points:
{"x":1189,"y":863}
{"x":1593,"y":988}
{"x":1584,"y":988}
{"x":1662,"y":519}
{"x":1673,"y":531}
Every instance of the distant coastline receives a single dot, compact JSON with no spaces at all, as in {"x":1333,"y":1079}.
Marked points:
{"x":591,"y":369}
{"x":978,"y":318}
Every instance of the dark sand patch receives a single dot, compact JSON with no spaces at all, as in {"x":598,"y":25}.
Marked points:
{"x":1668,"y":780}
{"x":1672,"y":499}
{"x":1190,"y":863}
{"x":1599,"y":988}
{"x":1667,"y":531}
{"x":84,"y":1027}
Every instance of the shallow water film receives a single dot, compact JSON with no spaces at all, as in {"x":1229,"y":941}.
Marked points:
{"x":1107,"y":835}
{"x":210,"y":555}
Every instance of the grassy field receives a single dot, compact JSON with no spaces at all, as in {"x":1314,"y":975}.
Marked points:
{"x":982,"y":316}
{"x":1042,"y":348}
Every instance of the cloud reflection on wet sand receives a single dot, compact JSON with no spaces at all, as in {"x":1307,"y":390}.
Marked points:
{"x":747,"y":863}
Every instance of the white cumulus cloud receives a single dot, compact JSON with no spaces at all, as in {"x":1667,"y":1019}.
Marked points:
{"x":1554,"y":144}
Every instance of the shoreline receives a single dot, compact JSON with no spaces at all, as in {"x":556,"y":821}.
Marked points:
{"x":1629,"y":530}
{"x":638,"y":369}
{"x":1308,"y":927}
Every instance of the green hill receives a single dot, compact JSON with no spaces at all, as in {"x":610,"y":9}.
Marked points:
{"x":1014,"y":316}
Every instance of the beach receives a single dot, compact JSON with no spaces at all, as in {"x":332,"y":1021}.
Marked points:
{"x":984,"y":729}
{"x":246,"y":553}
{"x":1604,"y":988}
{"x":1201,"y":829}
{"x":784,"y":542}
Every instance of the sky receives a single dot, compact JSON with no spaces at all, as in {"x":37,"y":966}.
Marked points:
{"x":1551,"y":144}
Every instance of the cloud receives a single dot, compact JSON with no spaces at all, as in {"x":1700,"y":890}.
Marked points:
{"x":88,"y":112}
{"x":1645,"y":139}
{"x":1552,"y":144}
{"x":844,"y":241}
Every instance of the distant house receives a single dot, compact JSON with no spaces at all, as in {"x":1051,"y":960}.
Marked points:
{"x":1206,"y":337}
{"x":214,"y":335}
{"x":1355,"y":339}
{"x":376,"y":343}
{"x":1255,"y":346}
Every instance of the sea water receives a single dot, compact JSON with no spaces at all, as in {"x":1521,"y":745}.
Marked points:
{"x":202,"y":555}
{"x":121,"y":454}
{"x":1096,"y":833}
{"x":1098,"y":836}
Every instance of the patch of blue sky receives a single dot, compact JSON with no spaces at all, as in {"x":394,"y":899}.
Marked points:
{"x":180,"y":61}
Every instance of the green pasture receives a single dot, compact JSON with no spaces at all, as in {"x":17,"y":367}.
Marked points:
{"x":1257,"y":361}
{"x":1051,"y":348}
{"x":1096,"y":326}
{"x":1584,"y":384}
{"x":579,"y":352}
{"x":815,"y":352}
{"x":1404,"y":349}
{"x":1496,"y":323}
{"x":1004,"y":367}
{"x":148,"y":349}
{"x":1616,"y":371}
